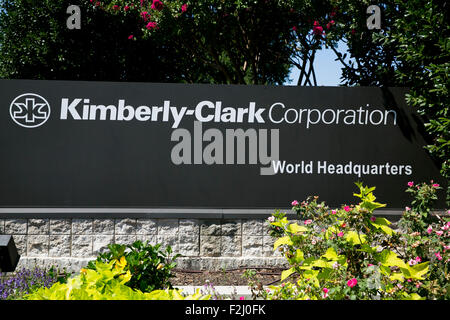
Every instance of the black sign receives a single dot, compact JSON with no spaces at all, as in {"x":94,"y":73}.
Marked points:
{"x":140,"y":145}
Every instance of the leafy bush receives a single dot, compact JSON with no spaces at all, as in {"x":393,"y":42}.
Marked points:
{"x":426,"y":238}
{"x":25,"y":281}
{"x":150,"y":267}
{"x":347,"y":253}
{"x":107,"y":281}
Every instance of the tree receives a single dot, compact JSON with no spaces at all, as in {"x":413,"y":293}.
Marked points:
{"x":411,"y":50}
{"x":35,"y":43}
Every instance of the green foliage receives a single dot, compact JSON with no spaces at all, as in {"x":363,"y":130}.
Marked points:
{"x":426,"y":238}
{"x":149,"y":266}
{"x":344,"y":253}
{"x":411,"y":50}
{"x":106,"y":282}
{"x":35,"y":43}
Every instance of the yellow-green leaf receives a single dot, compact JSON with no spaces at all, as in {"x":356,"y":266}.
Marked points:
{"x":281,"y":241}
{"x":382,"y":223}
{"x":354,"y":238}
{"x":295,"y":228}
{"x":331,"y":254}
{"x":287,"y":273}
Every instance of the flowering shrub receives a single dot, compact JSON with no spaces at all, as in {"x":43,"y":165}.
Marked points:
{"x":106,"y":282}
{"x":25,"y":281}
{"x":348,"y":253}
{"x":426,"y":237}
{"x":150,"y":267}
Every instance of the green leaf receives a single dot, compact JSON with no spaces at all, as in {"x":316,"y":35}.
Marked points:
{"x":382,"y":223}
{"x":286,"y":240}
{"x":331,"y":254}
{"x":390,"y":259}
{"x":295,"y":228}
{"x":354,"y":238}
{"x":298,"y":256}
{"x":287,"y":273}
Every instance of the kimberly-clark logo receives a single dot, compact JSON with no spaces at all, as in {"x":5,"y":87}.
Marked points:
{"x":29,"y":110}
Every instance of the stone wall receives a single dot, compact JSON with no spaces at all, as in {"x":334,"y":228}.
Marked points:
{"x":205,"y":244}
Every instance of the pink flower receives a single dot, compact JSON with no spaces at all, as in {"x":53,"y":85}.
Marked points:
{"x":145,"y":15}
{"x":333,"y":211}
{"x":438,"y":256}
{"x":407,"y":208}
{"x":184,"y":7}
{"x":373,"y":219}
{"x":418,"y":259}
{"x":130,"y":37}
{"x":352,"y":282}
{"x":116,"y":7}
{"x":126,"y":8}
{"x":340,"y":234}
{"x":157,"y":5}
{"x":325,"y":292}
{"x":439,"y":233}
{"x":294,"y":28}
{"x":418,"y":284}
{"x":271,"y":218}
{"x":318,"y":30}
{"x":369,"y":265}
{"x":446,"y":248}
{"x":152,"y":25}
{"x":347,"y":208}
{"x":309,"y":221}
{"x":241,"y":298}
{"x":294,"y":203}
{"x":410,"y":183}
{"x":436,"y":185}
{"x":429,"y":230}
{"x":412,"y":262}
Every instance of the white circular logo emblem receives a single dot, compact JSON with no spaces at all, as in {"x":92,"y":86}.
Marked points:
{"x":29,"y":110}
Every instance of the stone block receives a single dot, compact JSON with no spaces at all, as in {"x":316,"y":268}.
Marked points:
{"x":169,"y":240}
{"x":38,"y":226}
{"x":252,"y":246}
{"x":60,"y":226}
{"x":81,"y":226}
{"x":189,"y":226}
{"x":103,"y":226}
{"x":146,"y":226}
{"x":167,"y":227}
{"x":210,"y":228}
{"x":16,"y":226}
{"x":100,"y":243}
{"x":60,"y":246}
{"x":125,"y":226}
{"x":231,"y":246}
{"x":20,"y":240}
{"x":231,"y":228}
{"x":189,"y":244}
{"x":37,"y":245}
{"x":124,"y":239}
{"x":252,"y":227}
{"x":81,"y":246}
{"x":210,"y":246}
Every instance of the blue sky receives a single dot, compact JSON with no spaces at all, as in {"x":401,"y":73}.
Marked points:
{"x":328,"y":71}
